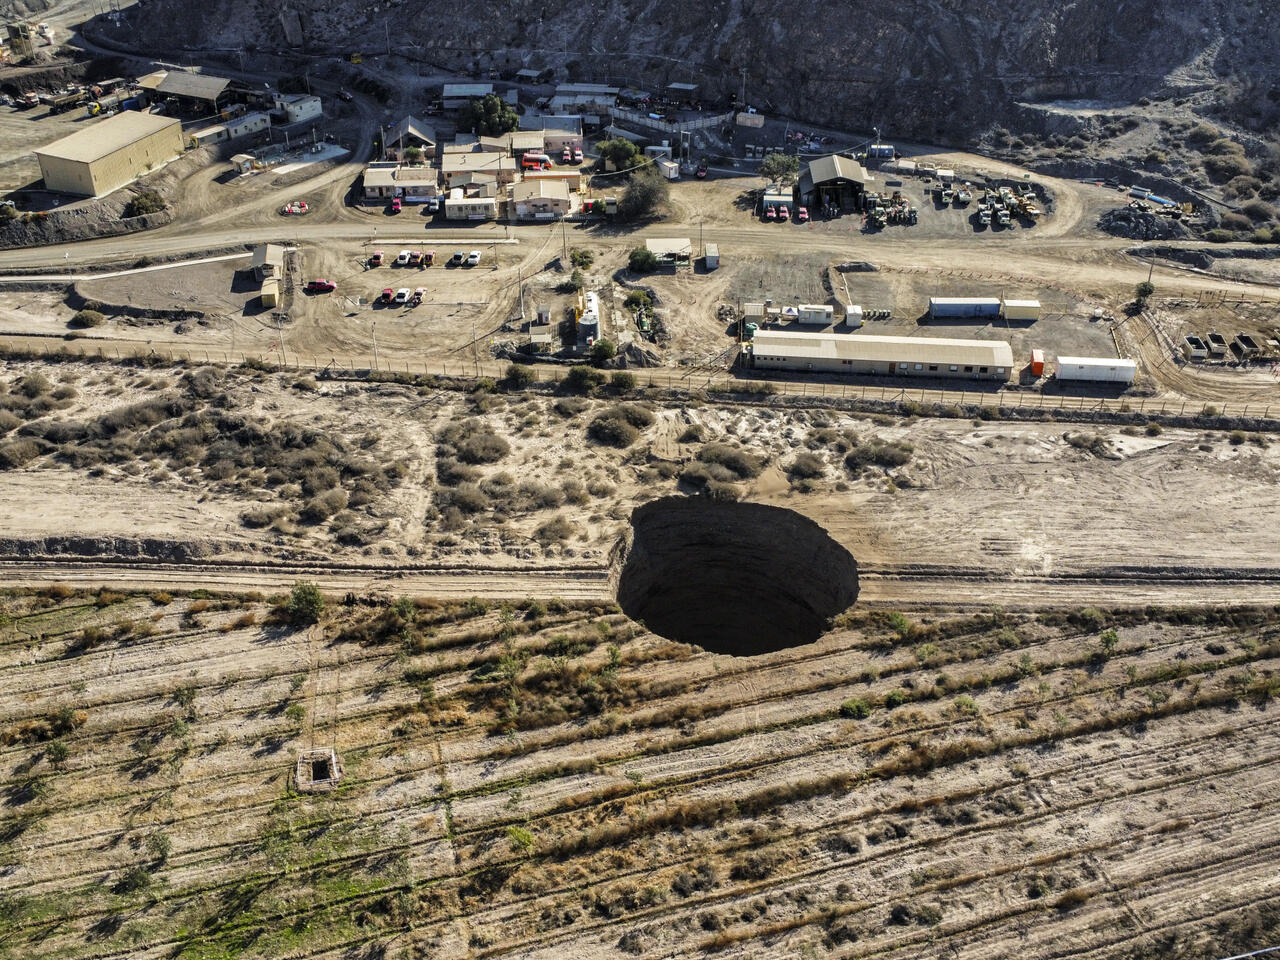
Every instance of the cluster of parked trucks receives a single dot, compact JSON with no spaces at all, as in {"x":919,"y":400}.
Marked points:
{"x":1002,"y":205}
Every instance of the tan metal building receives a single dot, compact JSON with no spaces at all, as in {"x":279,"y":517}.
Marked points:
{"x":887,"y":356}
{"x":107,"y":155}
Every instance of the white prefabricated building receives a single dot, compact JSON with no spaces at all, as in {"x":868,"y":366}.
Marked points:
{"x":1097,"y":369}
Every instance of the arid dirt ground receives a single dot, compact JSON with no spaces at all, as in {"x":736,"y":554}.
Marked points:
{"x":548,"y":780}
{"x":231,"y":465}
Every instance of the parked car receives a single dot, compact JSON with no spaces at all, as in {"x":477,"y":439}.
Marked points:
{"x":802,"y":214}
{"x":321,"y":286}
{"x":344,"y":96}
{"x":577,"y":154}
{"x":473,"y":258}
{"x":783,"y":212}
{"x":402,"y":258}
{"x":428,"y":258}
{"x":416,"y":299}
{"x":395,"y":205}
{"x":533,"y":162}
{"x":431,"y":206}
{"x":567,"y":156}
{"x":415,"y":258}
{"x":386,"y":295}
{"x":457,"y":259}
{"x":296,"y":207}
{"x":770,"y":213}
{"x":402,"y":295}
{"x":375,"y":259}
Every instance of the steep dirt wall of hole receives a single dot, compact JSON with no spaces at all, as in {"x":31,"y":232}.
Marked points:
{"x":735,"y":578}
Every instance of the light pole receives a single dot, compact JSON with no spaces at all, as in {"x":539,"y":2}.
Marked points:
{"x":375,"y":344}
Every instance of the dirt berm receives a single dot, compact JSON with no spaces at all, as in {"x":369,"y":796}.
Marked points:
{"x":735,"y":578}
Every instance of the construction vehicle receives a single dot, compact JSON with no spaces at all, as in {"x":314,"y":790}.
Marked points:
{"x":946,"y":194}
{"x":60,"y":102}
{"x":1002,"y":217}
{"x":984,"y":217}
{"x":963,"y":196}
{"x":27,"y":101}
{"x":701,"y":172}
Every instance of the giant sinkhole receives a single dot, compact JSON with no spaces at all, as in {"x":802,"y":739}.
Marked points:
{"x":733,"y":578}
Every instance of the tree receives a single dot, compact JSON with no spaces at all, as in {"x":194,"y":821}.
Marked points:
{"x":148,"y":201}
{"x":646,"y":190}
{"x":1145,"y":289}
{"x":780,"y":167}
{"x":305,"y":603}
{"x":488,"y":116}
{"x":642,"y":260}
{"x":603,"y":350}
{"x":412,"y":155}
{"x":620,"y":152}
{"x":518,"y":377}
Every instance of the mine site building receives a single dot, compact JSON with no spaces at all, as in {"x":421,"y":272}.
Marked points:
{"x":832,"y":180}
{"x":497,"y":165}
{"x":455,"y":96}
{"x":414,"y":184}
{"x":233,"y":129}
{"x":540,"y":200}
{"x":409,"y":132}
{"x":1021,"y":309}
{"x":299,"y":107}
{"x":193,"y":91}
{"x":458,"y":206}
{"x":1097,"y":369}
{"x":711,"y":256}
{"x":963,"y":308}
{"x":267,"y":261}
{"x":110,"y":153}
{"x":561,"y":132}
{"x":671,"y":251}
{"x":884,"y":356}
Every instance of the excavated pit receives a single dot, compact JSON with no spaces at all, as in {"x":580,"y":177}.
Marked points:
{"x":735,"y":578}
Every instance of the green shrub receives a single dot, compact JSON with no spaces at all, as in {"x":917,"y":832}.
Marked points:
{"x":807,"y":466}
{"x":555,"y":530}
{"x":1218,"y":235}
{"x":744,"y":465}
{"x":88,"y":318}
{"x":622,"y":381}
{"x":472,"y":441}
{"x":895,"y":453}
{"x":581,"y":258}
{"x":148,"y":201}
{"x":518,"y":377}
{"x":855,"y":709}
{"x":305,"y":603}
{"x":583,"y":379}
{"x":638,"y":299}
{"x":603,"y":350}
{"x":642,"y":260}
{"x":619,"y":425}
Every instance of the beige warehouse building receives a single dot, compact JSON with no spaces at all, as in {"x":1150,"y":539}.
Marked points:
{"x":891,"y":356}
{"x":107,"y":155}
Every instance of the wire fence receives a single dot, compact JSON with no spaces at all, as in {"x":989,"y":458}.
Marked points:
{"x":709,"y":379}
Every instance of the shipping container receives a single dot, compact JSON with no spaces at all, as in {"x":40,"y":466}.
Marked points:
{"x":1097,"y":369}
{"x":815,"y":313}
{"x":1194,"y":347}
{"x":711,"y":257}
{"x":959,"y":307}
{"x":1037,"y":363}
{"x":853,"y":317}
{"x":668,"y":168}
{"x":880,"y":151}
{"x":1022,"y":309}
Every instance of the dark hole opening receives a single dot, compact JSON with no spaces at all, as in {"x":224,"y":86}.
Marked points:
{"x":735,"y":578}
{"x":321,"y":770}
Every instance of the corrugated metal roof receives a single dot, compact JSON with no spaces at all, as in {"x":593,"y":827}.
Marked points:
{"x":676,"y":249}
{"x":487,"y":162}
{"x":413,"y":127}
{"x":786,"y":343}
{"x":197,"y":86}
{"x":107,"y":136}
{"x":834,"y":166}
{"x":454,"y":90}
{"x":1022,"y":303}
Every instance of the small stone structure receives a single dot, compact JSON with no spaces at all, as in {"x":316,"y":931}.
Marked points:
{"x":317,"y":771}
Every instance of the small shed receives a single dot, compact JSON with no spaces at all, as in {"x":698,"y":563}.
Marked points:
{"x":671,"y":250}
{"x":269,"y":296}
{"x":243,"y":162}
{"x":268,"y":261}
{"x":819,"y":313}
{"x":853,"y":316}
{"x":711,"y":257}
{"x":1037,"y":362}
{"x":1022,"y":309}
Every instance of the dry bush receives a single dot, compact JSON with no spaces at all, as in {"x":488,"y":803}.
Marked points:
{"x":738,"y":462}
{"x":472,"y":441}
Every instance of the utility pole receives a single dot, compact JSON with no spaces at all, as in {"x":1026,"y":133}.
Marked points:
{"x":375,"y":344}
{"x":742,"y":101}
{"x":387,"y":25}
{"x":564,"y":242}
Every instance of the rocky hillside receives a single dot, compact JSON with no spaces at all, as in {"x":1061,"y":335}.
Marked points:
{"x":926,"y":68}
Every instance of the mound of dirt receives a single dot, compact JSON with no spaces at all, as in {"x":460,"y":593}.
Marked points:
{"x":857,"y":266}
{"x":1139,"y":225}
{"x":735,"y":578}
